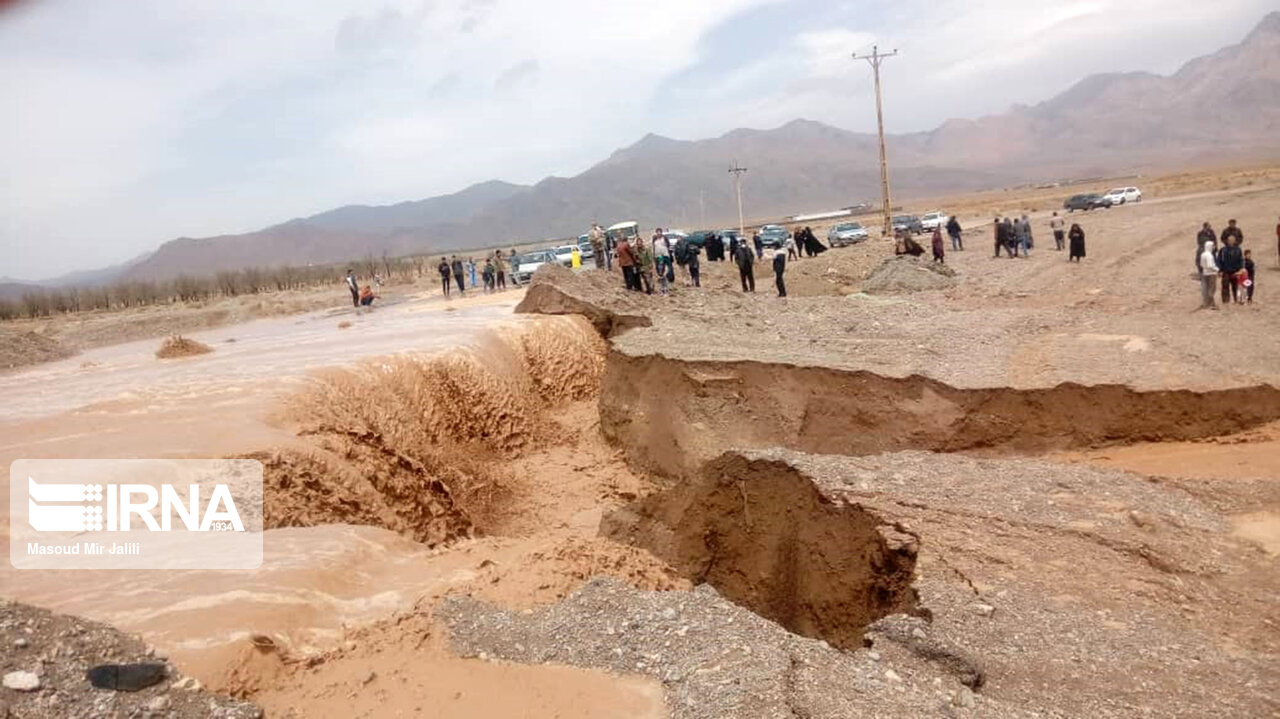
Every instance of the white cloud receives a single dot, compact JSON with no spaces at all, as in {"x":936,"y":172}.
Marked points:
{"x":129,"y":123}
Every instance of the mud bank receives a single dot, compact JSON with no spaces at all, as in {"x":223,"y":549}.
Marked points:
{"x":766,"y":538}
{"x":670,"y":415}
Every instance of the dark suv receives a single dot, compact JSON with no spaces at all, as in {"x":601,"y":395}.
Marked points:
{"x":908,"y":223}
{"x":1085,"y":202}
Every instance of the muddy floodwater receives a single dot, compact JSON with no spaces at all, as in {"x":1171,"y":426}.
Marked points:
{"x":120,"y":401}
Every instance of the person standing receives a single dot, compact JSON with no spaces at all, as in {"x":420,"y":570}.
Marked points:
{"x":954,"y":232}
{"x":1230,"y":262}
{"x":1011,"y":236}
{"x":500,"y":270}
{"x":1249,"y":276}
{"x":627,"y":261}
{"x":471,"y":270}
{"x":456,"y":266}
{"x":575,"y":257}
{"x":746,"y":267}
{"x":644,"y":265}
{"x":1206,"y":234}
{"x":695,"y":266}
{"x":733,"y":248}
{"x":1075,"y":239}
{"x":759,"y":243}
{"x":487,"y":274}
{"x":779,"y":267}
{"x":939,"y":249}
{"x":1232,"y":232}
{"x":1057,"y":224}
{"x":790,"y":244}
{"x":443,"y":267}
{"x":999,"y":236}
{"x":1278,"y":242}
{"x":355,"y":288}
{"x":662,"y":261}
{"x":596,"y":238}
{"x":1208,"y":266}
{"x":1026,"y":231}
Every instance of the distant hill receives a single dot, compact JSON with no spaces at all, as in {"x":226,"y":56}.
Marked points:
{"x":1225,"y":105}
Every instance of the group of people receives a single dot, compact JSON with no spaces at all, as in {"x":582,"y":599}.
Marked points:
{"x":454,"y":270}
{"x":654,"y":265}
{"x":1014,"y":236}
{"x":361,"y":296}
{"x":1223,"y":262}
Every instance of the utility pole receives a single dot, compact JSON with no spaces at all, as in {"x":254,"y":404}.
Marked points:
{"x":874,"y":59}
{"x":737,"y":171}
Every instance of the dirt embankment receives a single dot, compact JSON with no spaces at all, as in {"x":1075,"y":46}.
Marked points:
{"x":21,"y":348}
{"x":417,"y":445}
{"x":592,"y":296}
{"x":671,"y":415}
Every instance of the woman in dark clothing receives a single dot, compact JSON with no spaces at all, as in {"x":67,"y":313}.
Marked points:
{"x":1076,"y":241}
{"x":444,"y":275}
{"x":812,"y":247}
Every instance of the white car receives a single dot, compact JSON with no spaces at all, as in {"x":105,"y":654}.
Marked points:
{"x":1121,"y":195}
{"x":846,"y":233}
{"x":564,"y":254}
{"x":933,"y":220}
{"x":523,"y":266}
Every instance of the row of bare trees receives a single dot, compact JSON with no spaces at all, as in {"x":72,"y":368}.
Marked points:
{"x":231,"y":283}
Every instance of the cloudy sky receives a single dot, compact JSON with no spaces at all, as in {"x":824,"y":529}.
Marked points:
{"x":131,"y":122}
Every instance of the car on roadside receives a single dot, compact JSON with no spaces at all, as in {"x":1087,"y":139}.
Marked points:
{"x":1086,"y":202}
{"x":524,"y":265}
{"x":1124,"y":195}
{"x":907,"y":223}
{"x":584,"y":246}
{"x":564,"y":254}
{"x":774,"y":235}
{"x":934,"y":220}
{"x":846,"y":233}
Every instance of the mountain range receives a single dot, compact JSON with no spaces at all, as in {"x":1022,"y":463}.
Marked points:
{"x":1224,"y":106}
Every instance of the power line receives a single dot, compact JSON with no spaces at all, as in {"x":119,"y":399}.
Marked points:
{"x":874,"y":59}
{"x":737,"y":171}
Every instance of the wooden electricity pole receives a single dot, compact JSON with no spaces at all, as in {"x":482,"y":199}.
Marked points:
{"x":874,"y":59}
{"x":737,"y":171}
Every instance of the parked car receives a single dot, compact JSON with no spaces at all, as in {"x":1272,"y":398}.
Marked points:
{"x":910,"y":223}
{"x":774,"y":235}
{"x":846,"y":233}
{"x":1085,"y":202}
{"x":934,"y":220}
{"x":584,"y":246}
{"x":727,"y":235}
{"x":564,"y":254}
{"x":523,"y":266}
{"x":629,"y":229}
{"x":1121,"y":195}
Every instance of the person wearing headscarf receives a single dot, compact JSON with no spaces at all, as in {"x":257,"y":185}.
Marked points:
{"x":1075,"y":242}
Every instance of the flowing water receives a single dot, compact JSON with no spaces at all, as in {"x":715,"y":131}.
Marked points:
{"x":120,"y":401}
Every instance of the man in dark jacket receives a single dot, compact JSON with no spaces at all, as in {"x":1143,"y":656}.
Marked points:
{"x":1232,"y":231}
{"x":780,"y":266}
{"x":953,"y":231}
{"x":759,"y":243}
{"x":456,"y":266}
{"x":1206,"y":234}
{"x":999,"y":236}
{"x":1230,"y":261}
{"x":746,"y":267}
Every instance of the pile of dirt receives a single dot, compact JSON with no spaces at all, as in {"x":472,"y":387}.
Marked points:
{"x":908,"y":274}
{"x":175,"y":346}
{"x":594,"y":295}
{"x":416,"y":444}
{"x":49,"y":655}
{"x":19,"y":348}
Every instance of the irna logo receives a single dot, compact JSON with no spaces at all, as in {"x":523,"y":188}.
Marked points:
{"x":112,"y":507}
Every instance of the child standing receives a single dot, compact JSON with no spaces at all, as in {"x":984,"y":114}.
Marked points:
{"x":1249,"y":277}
